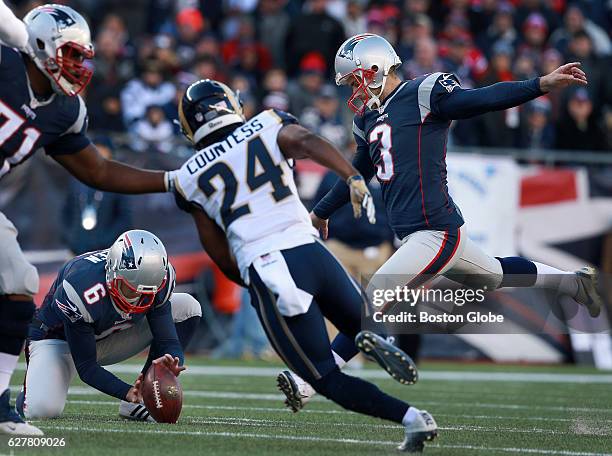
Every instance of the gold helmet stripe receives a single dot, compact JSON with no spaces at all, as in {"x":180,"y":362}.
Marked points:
{"x":184,"y":124}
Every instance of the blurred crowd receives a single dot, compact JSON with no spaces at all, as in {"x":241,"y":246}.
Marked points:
{"x":280,"y":54}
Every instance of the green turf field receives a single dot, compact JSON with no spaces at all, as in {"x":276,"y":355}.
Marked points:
{"x":235,"y":409}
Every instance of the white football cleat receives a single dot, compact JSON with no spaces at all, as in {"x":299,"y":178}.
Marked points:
{"x":588,"y":295}
{"x":135,"y":412}
{"x":297,"y":391}
{"x":10,"y":422}
{"x":423,"y":428}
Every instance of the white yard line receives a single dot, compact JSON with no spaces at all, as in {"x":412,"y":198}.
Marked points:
{"x":316,"y":439}
{"x":335,"y":412}
{"x":452,"y":376}
{"x":269,"y":422}
{"x":87,"y":391}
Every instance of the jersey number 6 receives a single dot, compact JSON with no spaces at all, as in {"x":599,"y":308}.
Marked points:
{"x":257,"y":154}
{"x":94,"y":294}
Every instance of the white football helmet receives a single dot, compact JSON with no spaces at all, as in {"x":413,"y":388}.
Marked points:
{"x":136,"y":269}
{"x":61,"y":43}
{"x":369,"y":58}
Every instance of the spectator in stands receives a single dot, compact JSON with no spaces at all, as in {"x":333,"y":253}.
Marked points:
{"x":325,"y":119}
{"x":190,"y":26}
{"x":499,"y":128}
{"x":153,"y":133}
{"x":537,"y":131}
{"x":413,"y":30}
{"x":502,"y":29}
{"x":425,"y":59}
{"x":311,"y":79}
{"x":93,"y":219}
{"x":104,"y":108}
{"x":147,"y":90}
{"x":272,"y":25}
{"x":574,"y":22}
{"x":535,"y":35}
{"x":243,"y":46}
{"x":581,"y":50}
{"x":579,"y":129}
{"x":355,"y":22}
{"x":313,"y":31}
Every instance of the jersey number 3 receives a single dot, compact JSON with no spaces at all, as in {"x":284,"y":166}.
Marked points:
{"x":382,"y":133}
{"x":258,"y":158}
{"x":12,"y":123}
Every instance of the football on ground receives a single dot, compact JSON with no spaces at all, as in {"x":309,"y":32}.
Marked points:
{"x":162,"y":394}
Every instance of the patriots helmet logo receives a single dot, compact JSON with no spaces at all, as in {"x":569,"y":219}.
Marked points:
{"x":128,"y":259}
{"x":347,"y":50}
{"x":63,"y":19}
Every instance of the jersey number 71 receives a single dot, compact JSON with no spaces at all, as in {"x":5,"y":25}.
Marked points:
{"x":257,"y":153}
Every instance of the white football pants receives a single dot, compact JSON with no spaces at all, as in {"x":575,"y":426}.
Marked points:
{"x":424,"y":254}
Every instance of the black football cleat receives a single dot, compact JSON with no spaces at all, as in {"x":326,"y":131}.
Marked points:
{"x":392,"y":359}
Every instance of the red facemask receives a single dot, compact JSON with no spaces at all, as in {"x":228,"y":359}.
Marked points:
{"x":70,"y":59}
{"x":142,"y":305}
{"x":360,"y":96}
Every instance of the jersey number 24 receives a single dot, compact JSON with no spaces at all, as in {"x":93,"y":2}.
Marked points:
{"x":257,"y":154}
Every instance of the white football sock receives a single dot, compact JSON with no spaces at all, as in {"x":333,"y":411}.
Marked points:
{"x":7,"y":366}
{"x":410,"y":416}
{"x":556,"y":279}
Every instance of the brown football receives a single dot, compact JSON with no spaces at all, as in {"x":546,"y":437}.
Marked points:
{"x":162,"y":394}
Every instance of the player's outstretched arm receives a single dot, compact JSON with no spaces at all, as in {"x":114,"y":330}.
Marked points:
{"x":215,"y":243}
{"x":297,"y":142}
{"x":91,"y":168}
{"x":13,"y":31}
{"x":461,"y":103}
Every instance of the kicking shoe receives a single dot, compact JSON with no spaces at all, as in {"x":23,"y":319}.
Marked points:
{"x":10,"y":422}
{"x":297,"y":391}
{"x":397,"y":363}
{"x":422,"y":429}
{"x":135,"y":412}
{"x":588,"y":295}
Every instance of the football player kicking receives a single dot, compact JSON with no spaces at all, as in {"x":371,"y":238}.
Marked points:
{"x":43,"y":68}
{"x":240,"y":191}
{"x":401,"y":130}
{"x":105,"y":307}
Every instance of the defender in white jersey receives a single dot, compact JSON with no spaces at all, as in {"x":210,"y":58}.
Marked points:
{"x":240,"y":191}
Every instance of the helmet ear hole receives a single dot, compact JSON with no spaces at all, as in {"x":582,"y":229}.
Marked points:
{"x":374,"y":68}
{"x":40,"y":43}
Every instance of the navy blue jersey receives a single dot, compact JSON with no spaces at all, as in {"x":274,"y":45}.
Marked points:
{"x":403,"y":144}
{"x":79,"y":309}
{"x":79,"y":296}
{"x":57,"y":125}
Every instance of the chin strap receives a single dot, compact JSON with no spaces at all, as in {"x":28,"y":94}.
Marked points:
{"x":374,"y":101}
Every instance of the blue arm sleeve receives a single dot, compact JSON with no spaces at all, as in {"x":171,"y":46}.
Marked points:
{"x":165,"y":339}
{"x":339,"y":195}
{"x":82,"y":341}
{"x":459,"y":103}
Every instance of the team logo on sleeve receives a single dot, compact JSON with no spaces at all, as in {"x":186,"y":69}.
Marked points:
{"x":70,"y":310}
{"x":128,"y":259}
{"x":448,"y":81}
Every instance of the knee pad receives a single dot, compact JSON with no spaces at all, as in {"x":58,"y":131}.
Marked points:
{"x":184,"y":306}
{"x":15,"y":317}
